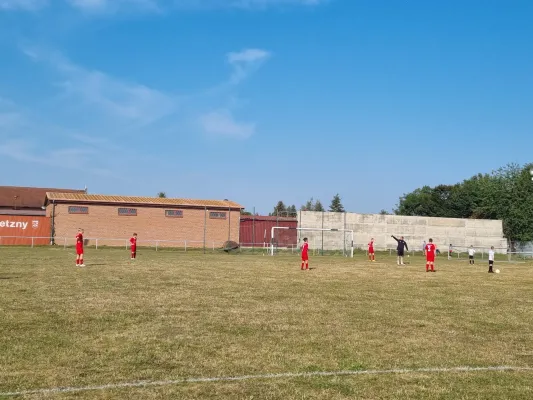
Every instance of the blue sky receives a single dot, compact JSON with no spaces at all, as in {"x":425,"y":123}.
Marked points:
{"x":263,"y":100}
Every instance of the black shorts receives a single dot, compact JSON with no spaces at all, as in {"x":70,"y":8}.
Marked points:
{"x":471,"y":257}
{"x":400,"y":253}
{"x":491,"y":262}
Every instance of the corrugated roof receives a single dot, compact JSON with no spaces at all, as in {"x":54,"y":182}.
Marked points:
{"x":17,"y":197}
{"x":98,"y":198}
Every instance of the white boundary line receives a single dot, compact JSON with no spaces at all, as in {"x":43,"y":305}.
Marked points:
{"x":137,"y":384}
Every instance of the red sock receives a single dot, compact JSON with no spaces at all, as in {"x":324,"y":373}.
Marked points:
{"x":302,"y":265}
{"x":81,"y":261}
{"x":427,"y":266}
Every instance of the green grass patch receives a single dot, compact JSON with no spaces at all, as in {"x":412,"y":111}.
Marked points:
{"x":171,"y":315}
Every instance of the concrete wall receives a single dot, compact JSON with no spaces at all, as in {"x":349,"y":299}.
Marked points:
{"x":443,"y":231}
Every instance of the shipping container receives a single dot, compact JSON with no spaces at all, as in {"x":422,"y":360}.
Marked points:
{"x":256,"y":231}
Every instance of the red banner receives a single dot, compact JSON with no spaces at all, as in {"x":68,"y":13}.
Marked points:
{"x":19,"y":230}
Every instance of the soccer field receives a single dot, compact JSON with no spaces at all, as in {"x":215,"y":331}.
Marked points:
{"x":163,"y":326}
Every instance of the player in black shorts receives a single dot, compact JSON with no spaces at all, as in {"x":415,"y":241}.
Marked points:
{"x":471,"y":253}
{"x":402,"y":246}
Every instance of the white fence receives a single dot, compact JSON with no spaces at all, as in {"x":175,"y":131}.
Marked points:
{"x":212,"y":246}
{"x":96,"y":243}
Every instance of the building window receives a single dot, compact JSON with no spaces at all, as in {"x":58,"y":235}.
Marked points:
{"x":127,"y":211}
{"x":78,"y":210}
{"x":174,"y":213}
{"x":217,"y":215}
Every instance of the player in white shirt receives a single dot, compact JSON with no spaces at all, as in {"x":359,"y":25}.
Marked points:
{"x":491,"y":259}
{"x":471,"y":253}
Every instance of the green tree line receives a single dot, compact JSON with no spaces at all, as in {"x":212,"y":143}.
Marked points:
{"x":505,"y":194}
{"x":311,"y":205}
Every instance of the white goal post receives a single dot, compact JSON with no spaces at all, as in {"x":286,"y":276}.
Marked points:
{"x":272,"y":235}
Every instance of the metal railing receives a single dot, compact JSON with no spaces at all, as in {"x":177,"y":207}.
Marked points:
{"x":213,"y":245}
{"x":157,"y":244}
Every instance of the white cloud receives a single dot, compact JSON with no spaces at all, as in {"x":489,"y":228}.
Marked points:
{"x":28,"y":5}
{"x":221,"y":122}
{"x":105,"y":6}
{"x":126,"y":106}
{"x":243,"y":4}
{"x":245,"y":62}
{"x":247,"y":56}
{"x":110,"y":6}
{"x":269,"y":3}
{"x":10,"y":117}
{"x":128,"y":101}
{"x":82,"y":126}
{"x":28,"y":151}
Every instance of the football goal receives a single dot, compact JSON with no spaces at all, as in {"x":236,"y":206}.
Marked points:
{"x":321,"y":241}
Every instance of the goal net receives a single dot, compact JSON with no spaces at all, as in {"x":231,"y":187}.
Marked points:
{"x":287,"y":240}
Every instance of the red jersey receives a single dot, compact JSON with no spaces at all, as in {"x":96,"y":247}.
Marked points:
{"x":430,"y":250}
{"x":305,"y":248}
{"x":133,"y":241}
{"x":79,"y":239}
{"x":371,"y":246}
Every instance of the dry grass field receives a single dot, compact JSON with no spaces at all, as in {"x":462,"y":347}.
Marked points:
{"x":169,"y":316}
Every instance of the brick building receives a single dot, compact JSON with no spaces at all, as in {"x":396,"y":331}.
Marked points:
{"x":23,"y":218}
{"x":168,"y":222}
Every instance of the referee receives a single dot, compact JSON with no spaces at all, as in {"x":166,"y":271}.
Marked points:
{"x":402,"y":246}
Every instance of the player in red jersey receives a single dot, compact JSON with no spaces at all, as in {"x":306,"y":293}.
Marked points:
{"x":133,"y":246}
{"x":431,"y":249}
{"x":371,"y":255}
{"x":305,"y":255}
{"x":79,"y":249}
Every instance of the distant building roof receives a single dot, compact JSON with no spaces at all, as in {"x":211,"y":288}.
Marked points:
{"x":26,"y":211}
{"x":17,"y":197}
{"x":135,"y":200}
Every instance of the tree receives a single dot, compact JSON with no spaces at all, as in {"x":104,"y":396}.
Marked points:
{"x":291,"y":211}
{"x":162,"y":195}
{"x":279,"y":209}
{"x":318,"y":206}
{"x":384,"y":212}
{"x":336,"y":205}
{"x":308,"y":206}
{"x":312,"y":205}
{"x":505,"y":194}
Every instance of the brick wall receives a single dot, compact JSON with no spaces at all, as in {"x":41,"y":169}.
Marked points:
{"x":150,"y":223}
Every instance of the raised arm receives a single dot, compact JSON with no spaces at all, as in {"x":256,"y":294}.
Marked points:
{"x":394,"y":237}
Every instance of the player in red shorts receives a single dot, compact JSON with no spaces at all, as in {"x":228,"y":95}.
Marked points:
{"x":133,"y":246}
{"x":79,"y":249}
{"x":431,"y":249}
{"x":371,"y":255}
{"x":305,"y":255}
